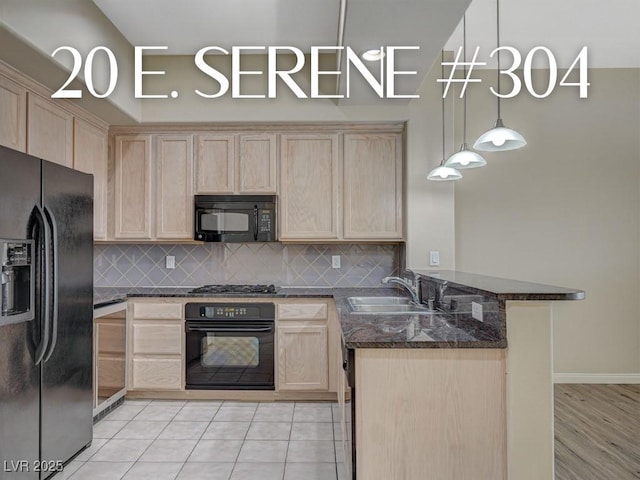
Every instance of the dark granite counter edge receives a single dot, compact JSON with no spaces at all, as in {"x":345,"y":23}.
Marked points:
{"x":502,"y":288}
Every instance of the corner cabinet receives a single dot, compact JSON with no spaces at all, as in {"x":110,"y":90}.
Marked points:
{"x":90,"y":156}
{"x":13,"y":115}
{"x":49,"y":131}
{"x":309,"y":187}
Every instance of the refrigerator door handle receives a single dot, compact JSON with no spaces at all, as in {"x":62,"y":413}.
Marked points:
{"x":43,"y":233}
{"x":53,"y":281}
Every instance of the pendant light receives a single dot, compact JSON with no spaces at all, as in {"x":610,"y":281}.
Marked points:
{"x":499,"y":138}
{"x":442,"y":172}
{"x":465,"y":158}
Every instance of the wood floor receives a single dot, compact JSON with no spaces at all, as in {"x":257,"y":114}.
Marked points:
{"x":597,"y":432}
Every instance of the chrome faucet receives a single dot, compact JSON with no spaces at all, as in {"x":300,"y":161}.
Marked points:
{"x":413,"y":290}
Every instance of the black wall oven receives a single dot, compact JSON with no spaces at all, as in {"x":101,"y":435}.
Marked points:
{"x":230,"y":346}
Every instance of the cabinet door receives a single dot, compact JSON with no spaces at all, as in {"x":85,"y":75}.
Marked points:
{"x":257,"y":164}
{"x":309,"y":187}
{"x":373,"y":186}
{"x":90,"y":156}
{"x":215,"y":164}
{"x":133,"y":187}
{"x":13,"y":115}
{"x":302,"y":357}
{"x":49,"y":131}
{"x":174,"y":197}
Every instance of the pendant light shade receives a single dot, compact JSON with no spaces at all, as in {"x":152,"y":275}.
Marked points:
{"x":443,"y":173}
{"x":499,"y":138}
{"x":465,"y":158}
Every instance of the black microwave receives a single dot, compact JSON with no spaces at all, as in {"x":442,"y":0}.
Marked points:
{"x":235,"y":218}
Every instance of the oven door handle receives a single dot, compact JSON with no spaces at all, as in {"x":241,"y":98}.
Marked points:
{"x":192,"y":328}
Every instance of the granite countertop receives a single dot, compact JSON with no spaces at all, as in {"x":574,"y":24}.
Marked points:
{"x":502,"y":288}
{"x":438,"y":330}
{"x":107,"y":295}
{"x":441,"y":330}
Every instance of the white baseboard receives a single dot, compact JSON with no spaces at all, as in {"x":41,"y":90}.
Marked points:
{"x":596,"y":378}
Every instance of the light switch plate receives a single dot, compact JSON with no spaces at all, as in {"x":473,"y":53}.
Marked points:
{"x":335,"y":261}
{"x":170,"y":261}
{"x":434,"y":258}
{"x":476,"y":311}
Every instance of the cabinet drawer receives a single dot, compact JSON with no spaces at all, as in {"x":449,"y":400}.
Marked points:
{"x":157,"y":373}
{"x":157,"y":338}
{"x":302,"y":311}
{"x":158,"y":310}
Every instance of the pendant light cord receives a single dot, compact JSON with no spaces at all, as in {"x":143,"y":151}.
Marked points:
{"x":498,"y":46}
{"x":442,"y":72}
{"x":464,"y":70}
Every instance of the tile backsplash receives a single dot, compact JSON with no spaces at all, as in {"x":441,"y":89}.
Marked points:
{"x":237,"y":263}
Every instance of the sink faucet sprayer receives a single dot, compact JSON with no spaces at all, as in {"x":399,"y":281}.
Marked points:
{"x":413,"y":290}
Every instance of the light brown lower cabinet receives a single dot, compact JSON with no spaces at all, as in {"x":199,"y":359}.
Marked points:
{"x":430,"y":413}
{"x":156,"y":345}
{"x":303,"y":346}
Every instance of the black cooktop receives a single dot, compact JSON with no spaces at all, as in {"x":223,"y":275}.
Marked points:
{"x":235,"y":289}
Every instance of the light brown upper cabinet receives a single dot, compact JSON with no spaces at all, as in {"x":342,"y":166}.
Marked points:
{"x":215,"y":163}
{"x":174,"y":196}
{"x":162,"y":171}
{"x":132,"y":184}
{"x":257,"y":164}
{"x":90,"y":156}
{"x":231,"y":164}
{"x":309,"y":187}
{"x":373,"y":186}
{"x":13,"y":115}
{"x":49,"y":131}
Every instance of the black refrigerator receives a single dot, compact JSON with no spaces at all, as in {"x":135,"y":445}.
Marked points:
{"x":46,"y":315}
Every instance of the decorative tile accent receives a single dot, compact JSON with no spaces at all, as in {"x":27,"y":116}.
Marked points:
{"x":363,"y":265}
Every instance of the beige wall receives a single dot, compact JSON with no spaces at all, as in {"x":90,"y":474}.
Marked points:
{"x":564,"y":210}
{"x":44,"y":26}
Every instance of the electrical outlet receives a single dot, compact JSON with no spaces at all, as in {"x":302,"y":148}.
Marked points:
{"x":434,"y":258}
{"x":335,"y":261}
{"x":170,"y":261}
{"x":476,"y":311}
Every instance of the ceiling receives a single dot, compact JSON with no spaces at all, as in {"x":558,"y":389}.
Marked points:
{"x":189,"y":25}
{"x":608,"y":29}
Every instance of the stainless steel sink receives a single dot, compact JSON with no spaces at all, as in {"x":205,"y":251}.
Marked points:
{"x":386,"y":306}
{"x":379,"y":300}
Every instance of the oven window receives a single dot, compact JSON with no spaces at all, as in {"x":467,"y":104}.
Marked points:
{"x":220,"y":221}
{"x":230,"y":351}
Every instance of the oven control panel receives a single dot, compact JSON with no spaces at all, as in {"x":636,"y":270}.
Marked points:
{"x":226,"y":311}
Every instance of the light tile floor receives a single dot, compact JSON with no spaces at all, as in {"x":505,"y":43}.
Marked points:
{"x":212,"y":440}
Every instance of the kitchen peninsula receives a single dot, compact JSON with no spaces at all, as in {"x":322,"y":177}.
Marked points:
{"x":464,"y":393}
